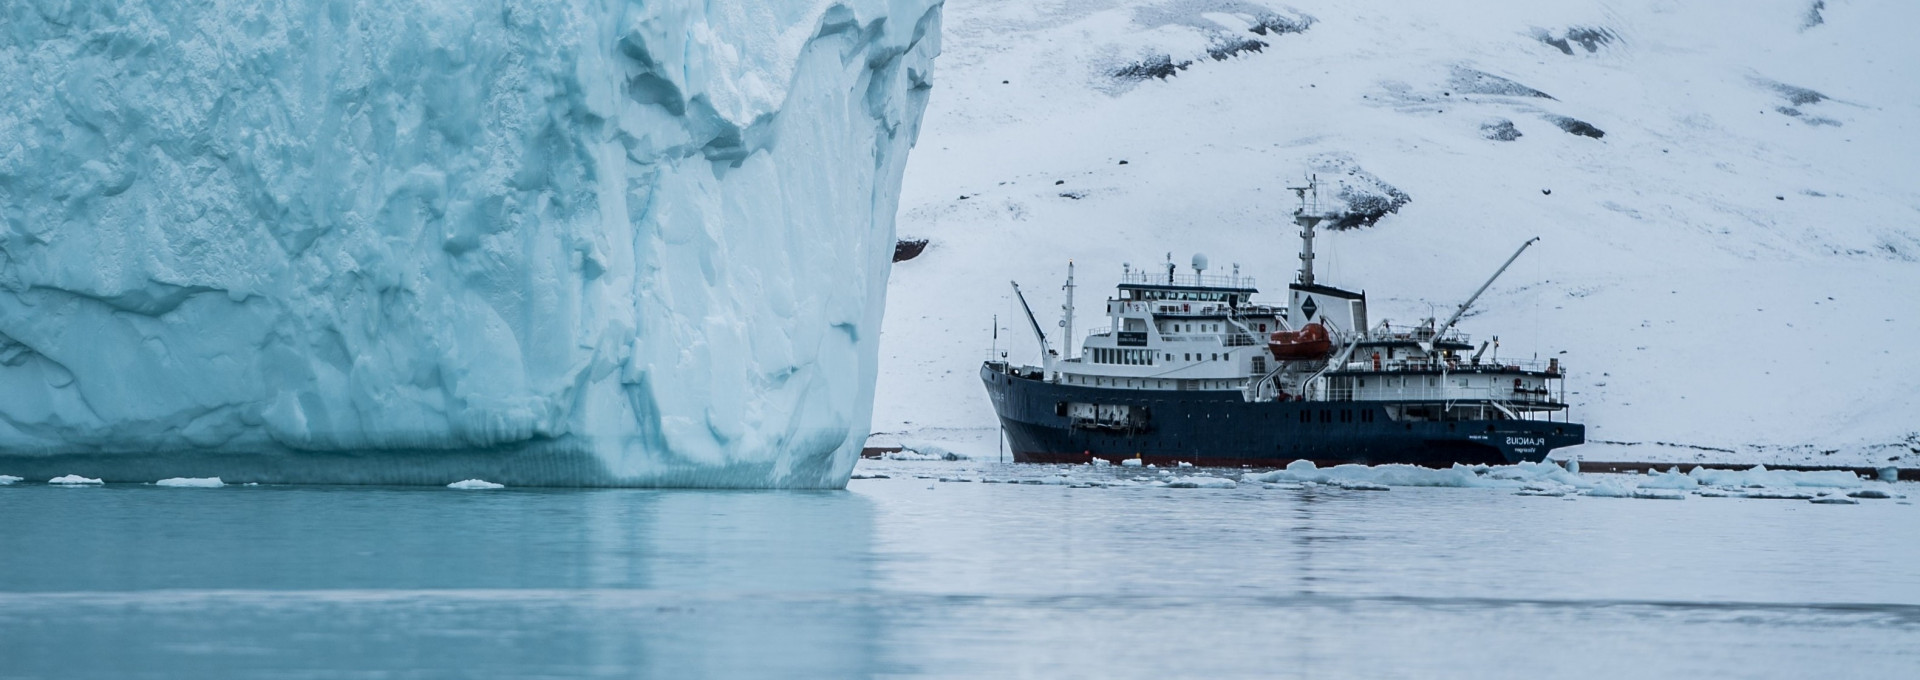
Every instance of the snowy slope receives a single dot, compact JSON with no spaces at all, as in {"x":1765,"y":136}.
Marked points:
{"x":1733,"y":265}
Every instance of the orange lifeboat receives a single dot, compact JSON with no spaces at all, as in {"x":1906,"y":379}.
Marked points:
{"x":1311,"y":342}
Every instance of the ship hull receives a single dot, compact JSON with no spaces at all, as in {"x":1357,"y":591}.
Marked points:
{"x":1219,"y":428}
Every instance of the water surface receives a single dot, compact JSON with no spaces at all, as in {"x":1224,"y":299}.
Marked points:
{"x":909,"y":576}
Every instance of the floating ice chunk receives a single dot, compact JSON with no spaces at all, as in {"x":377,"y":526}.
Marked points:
{"x":1132,"y":462}
{"x":1182,"y":463}
{"x":876,"y":475}
{"x":1862,"y":493}
{"x":1546,"y":489}
{"x":1360,"y":486}
{"x":475,"y":484}
{"x":192,"y":482}
{"x":1503,"y":476}
{"x":927,"y":451}
{"x":1834,"y":499}
{"x":9,"y":479}
{"x":73,"y":480}
{"x":1611,"y":488}
{"x":1777,"y":495}
{"x":1201,"y":482}
{"x":1760,"y":476}
{"x":1715,"y":492}
{"x":1671,"y":479}
{"x":1101,"y":462}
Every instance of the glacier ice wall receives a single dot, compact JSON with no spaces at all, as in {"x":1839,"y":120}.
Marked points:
{"x":533,"y":241}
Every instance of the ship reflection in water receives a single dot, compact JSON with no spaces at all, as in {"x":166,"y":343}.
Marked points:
{"x":915,"y":577}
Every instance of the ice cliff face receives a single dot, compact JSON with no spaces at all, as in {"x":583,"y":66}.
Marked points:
{"x":534,"y":241}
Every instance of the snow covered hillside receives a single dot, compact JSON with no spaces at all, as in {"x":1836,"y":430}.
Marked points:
{"x":418,"y":241}
{"x":1726,"y":194}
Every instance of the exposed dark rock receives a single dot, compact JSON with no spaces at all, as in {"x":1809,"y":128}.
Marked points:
{"x":1798,"y":96}
{"x":1274,"y":24}
{"x":907,"y":249}
{"x":1814,"y":17}
{"x":1589,"y":38}
{"x":1359,"y":199}
{"x":1152,"y":66}
{"x":1228,"y":46}
{"x":1477,"y":82}
{"x":1577,"y":127}
{"x":1499,"y":129}
{"x":1366,"y":209}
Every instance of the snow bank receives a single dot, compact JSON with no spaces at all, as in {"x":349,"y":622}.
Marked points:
{"x":73,"y":480}
{"x":475,"y":484}
{"x":616,"y":243}
{"x":193,"y":482}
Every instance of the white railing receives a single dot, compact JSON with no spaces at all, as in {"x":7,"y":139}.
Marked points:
{"x":1147,"y":277}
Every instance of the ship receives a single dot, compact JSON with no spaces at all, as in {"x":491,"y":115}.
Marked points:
{"x":1194,"y":369}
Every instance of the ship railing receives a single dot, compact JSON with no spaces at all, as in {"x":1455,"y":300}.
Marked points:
{"x":1385,"y":332}
{"x":1226,"y":339}
{"x":1365,"y":363}
{"x":1148,"y":277}
{"x":1518,"y":400}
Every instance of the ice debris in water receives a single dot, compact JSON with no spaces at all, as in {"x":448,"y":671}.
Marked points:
{"x":73,"y":480}
{"x":1200,"y":482}
{"x":1132,"y":462}
{"x":191,"y":482}
{"x":9,"y":479}
{"x":1505,"y":476}
{"x":475,"y":484}
{"x":1182,"y":463}
{"x":1760,"y":476}
{"x":1835,"y":498}
{"x":1548,"y":479}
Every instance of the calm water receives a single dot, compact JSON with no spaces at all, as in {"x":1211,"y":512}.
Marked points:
{"x":961,"y":579}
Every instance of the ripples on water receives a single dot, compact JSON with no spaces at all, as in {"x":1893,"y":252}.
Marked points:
{"x":911,"y":576}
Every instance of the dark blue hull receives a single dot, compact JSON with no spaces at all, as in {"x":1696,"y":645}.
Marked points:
{"x":1219,"y":428}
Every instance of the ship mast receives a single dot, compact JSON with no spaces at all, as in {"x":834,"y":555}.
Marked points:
{"x":1305,"y":216}
{"x":1066,"y":319}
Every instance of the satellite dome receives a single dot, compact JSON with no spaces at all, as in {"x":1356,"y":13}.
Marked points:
{"x":1199,"y":262}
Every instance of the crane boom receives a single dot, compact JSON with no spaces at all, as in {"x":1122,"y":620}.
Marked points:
{"x":1046,"y":352}
{"x":1442,"y":328}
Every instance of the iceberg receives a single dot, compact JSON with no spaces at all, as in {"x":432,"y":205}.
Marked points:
{"x":539,"y":242}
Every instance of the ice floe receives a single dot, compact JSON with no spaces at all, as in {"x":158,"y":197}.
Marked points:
{"x":192,"y":482}
{"x":9,"y":479}
{"x":73,"y":480}
{"x":1546,"y":479}
{"x":1201,"y":482}
{"x":475,"y":484}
